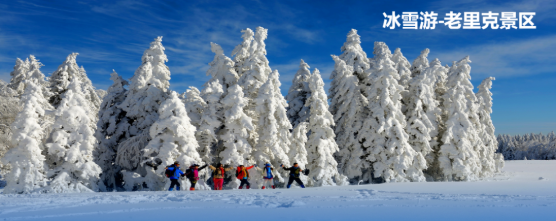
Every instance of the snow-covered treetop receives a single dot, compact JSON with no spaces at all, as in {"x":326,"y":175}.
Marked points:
{"x":241,"y":51}
{"x":460,"y":72}
{"x":258,"y":44}
{"x":316,"y":84}
{"x":485,"y":94}
{"x":353,"y":54}
{"x":383,"y":54}
{"x":148,"y":88}
{"x":159,"y":76}
{"x":297,"y":95}
{"x":402,"y":65}
{"x":222,"y":68}
{"x":119,"y":83}
{"x":299,"y":81}
{"x":34,"y":70}
{"x":420,"y":63}
{"x":19,"y":75}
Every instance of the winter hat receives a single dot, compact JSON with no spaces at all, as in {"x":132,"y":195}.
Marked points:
{"x":176,"y":162}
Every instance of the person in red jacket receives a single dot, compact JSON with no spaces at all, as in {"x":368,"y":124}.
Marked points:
{"x":243,"y":175}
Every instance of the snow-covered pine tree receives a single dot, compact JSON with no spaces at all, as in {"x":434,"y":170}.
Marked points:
{"x":71,"y":145}
{"x":253,"y":78}
{"x":489,"y":161}
{"x":194,"y":104}
{"x":89,"y":90}
{"x":19,"y":75}
{"x":211,"y":119}
{"x":348,"y":116}
{"x":172,"y":138}
{"x":223,"y":76}
{"x":383,"y":132}
{"x":459,"y":154}
{"x":321,"y":146}
{"x":420,"y":63}
{"x":222,"y":68}
{"x":273,"y":125}
{"x":61,"y":78}
{"x":422,"y":115}
{"x":148,"y":89}
{"x":402,"y":65}
{"x":242,"y":52}
{"x":112,"y":128}
{"x":235,"y":149}
{"x":27,"y":173}
{"x":298,"y":151}
{"x":298,"y":95}
{"x":354,"y":56}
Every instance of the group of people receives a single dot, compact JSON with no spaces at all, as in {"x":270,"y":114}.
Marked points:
{"x":173,"y":172}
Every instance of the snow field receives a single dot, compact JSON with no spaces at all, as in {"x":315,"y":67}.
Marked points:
{"x":515,"y":194}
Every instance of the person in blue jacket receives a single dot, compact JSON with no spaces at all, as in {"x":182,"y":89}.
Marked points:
{"x":174,"y":179}
{"x":268,"y":176}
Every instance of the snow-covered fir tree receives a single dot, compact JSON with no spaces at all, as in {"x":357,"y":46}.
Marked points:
{"x":298,"y":95}
{"x":61,"y":78}
{"x":242,"y":52}
{"x":235,"y":149}
{"x":354,"y":56}
{"x":254,"y":77}
{"x":211,"y":119}
{"x":490,"y":159}
{"x":273,"y":125}
{"x":459,"y":154}
{"x":298,"y":150}
{"x":321,"y":145}
{"x":19,"y":75}
{"x":383,"y":132}
{"x":223,"y":76}
{"x":28,"y":172}
{"x":420,"y":63}
{"x":147,"y":90}
{"x":172,"y":138}
{"x":402,"y":65}
{"x":71,"y":144}
{"x":348,"y":118}
{"x":112,"y":128}
{"x":222,"y":68}
{"x":423,"y":113}
{"x":9,"y":108}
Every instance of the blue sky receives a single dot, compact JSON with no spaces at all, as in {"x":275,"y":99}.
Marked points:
{"x":113,"y":35}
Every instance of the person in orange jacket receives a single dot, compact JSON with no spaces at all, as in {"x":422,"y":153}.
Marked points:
{"x":243,"y":175}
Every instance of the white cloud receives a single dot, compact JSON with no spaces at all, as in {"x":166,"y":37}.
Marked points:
{"x":505,"y":59}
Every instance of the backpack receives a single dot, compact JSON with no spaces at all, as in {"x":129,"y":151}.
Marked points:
{"x":189,"y":174}
{"x":170,"y":173}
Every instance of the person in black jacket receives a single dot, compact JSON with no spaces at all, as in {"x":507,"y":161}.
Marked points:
{"x":193,"y":174}
{"x":295,"y":171}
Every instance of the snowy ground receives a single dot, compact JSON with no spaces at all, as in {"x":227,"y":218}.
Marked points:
{"x":518,"y":194}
